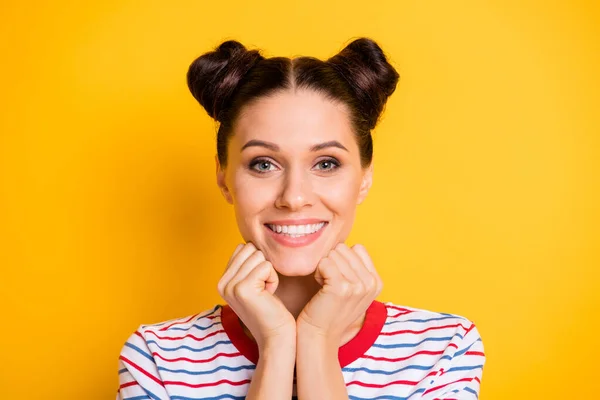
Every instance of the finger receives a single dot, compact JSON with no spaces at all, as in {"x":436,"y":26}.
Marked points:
{"x":356,"y":263}
{"x":249,"y":264}
{"x":239,"y":256}
{"x":237,"y":250}
{"x":368,"y":263}
{"x":327,"y":272}
{"x":344,"y":267}
{"x":361,"y":252}
{"x":264,"y":277}
{"x":236,"y":262}
{"x":332,"y":269}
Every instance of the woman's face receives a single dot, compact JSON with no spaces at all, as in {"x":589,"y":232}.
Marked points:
{"x":294,"y":177}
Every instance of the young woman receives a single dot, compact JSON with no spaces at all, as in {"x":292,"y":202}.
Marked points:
{"x":294,"y":157}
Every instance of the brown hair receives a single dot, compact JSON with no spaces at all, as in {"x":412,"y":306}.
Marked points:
{"x":231,"y":76}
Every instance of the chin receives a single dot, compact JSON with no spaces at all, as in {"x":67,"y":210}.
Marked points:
{"x":294,"y":266}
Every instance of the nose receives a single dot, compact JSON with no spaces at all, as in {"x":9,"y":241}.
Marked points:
{"x":296,"y":191}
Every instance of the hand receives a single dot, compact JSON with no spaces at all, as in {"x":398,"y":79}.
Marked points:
{"x":350,"y":284}
{"x":248,"y":285}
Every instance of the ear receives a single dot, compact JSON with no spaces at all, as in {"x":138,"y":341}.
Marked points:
{"x":221,"y":181}
{"x":366,"y":183}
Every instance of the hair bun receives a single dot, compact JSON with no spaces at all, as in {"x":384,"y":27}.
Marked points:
{"x":214,"y":76}
{"x":372,"y":78}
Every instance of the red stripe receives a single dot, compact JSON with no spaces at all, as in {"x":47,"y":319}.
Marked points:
{"x":199,"y":385}
{"x":373,"y":385}
{"x":164,"y":328}
{"x":400,"y":314}
{"x":470,"y":328}
{"x":142,"y":370}
{"x":475,"y":353}
{"x":426,"y":352}
{"x":196,"y":361}
{"x":398,"y":308}
{"x":446,"y":384}
{"x":128,"y":384}
{"x":189,"y":335}
{"x":424,"y":330}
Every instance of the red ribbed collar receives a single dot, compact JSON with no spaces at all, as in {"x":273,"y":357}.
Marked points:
{"x":351,"y":351}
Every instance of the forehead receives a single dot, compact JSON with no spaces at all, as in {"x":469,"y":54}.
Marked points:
{"x":294,"y":120}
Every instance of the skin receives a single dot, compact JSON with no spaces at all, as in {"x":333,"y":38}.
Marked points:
{"x":300,"y":304}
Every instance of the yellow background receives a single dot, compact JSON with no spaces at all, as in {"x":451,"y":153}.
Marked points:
{"x":485,"y":201}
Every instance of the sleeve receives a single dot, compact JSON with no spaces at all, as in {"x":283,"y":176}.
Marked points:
{"x":138,"y":373}
{"x":462,"y":379}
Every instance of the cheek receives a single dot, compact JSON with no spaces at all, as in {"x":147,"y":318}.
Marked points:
{"x":339,"y":195}
{"x":250,"y":197}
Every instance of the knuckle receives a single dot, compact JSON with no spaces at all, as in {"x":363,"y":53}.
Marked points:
{"x":358,"y":290}
{"x":228,"y":292}
{"x":239,"y":292}
{"x":345,"y":290}
{"x":358,"y":246}
{"x":372,"y":284}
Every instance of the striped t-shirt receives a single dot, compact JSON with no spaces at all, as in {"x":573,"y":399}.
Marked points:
{"x":399,"y":353}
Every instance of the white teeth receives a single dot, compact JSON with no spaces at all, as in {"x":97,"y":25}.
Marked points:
{"x":296,"y":230}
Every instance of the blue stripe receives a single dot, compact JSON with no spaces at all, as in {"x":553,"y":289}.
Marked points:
{"x":419,"y":320}
{"x":184,"y":371}
{"x":466,"y":368}
{"x":453,"y":315}
{"x":378,"y":371}
{"x":393,"y":346}
{"x":161,"y":324}
{"x":468,"y":389}
{"x":188,"y":347}
{"x":202,"y":328}
{"x":149,"y":395}
{"x":463,"y":351}
{"x":122,"y":370}
{"x":142,"y":352}
{"x":386,"y":397}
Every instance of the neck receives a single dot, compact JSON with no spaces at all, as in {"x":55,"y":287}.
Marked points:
{"x":296,"y":291}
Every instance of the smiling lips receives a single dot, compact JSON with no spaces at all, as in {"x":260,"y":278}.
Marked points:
{"x":296,"y":233}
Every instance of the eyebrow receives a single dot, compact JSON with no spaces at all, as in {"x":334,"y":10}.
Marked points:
{"x":274,"y":147}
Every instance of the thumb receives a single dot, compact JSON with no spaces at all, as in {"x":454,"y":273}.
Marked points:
{"x":326,"y":270}
{"x":264,"y":277}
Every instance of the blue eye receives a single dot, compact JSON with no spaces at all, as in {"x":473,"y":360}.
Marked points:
{"x":261,"y":166}
{"x":328,"y":165}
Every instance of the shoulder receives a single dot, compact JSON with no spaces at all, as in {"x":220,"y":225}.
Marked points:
{"x":425,"y":326}
{"x":156,"y":336}
{"x":203,"y":320}
{"x":400,"y":312}
{"x":447,"y":346}
{"x":142,"y":357}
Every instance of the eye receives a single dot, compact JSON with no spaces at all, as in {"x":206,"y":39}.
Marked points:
{"x":328,"y":164}
{"x":262,"y":165}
